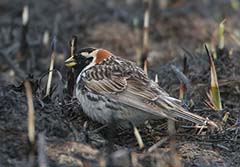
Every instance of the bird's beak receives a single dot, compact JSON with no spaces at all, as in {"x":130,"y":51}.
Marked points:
{"x":70,"y":62}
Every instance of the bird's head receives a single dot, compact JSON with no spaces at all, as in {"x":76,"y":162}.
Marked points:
{"x":87,"y":57}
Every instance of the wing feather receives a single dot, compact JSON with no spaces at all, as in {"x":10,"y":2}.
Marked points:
{"x":137,"y":91}
{"x":128,"y":91}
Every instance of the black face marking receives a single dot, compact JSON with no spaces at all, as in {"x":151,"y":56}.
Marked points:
{"x":81,"y":60}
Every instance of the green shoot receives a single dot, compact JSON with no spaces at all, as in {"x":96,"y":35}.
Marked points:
{"x":214,"y":93}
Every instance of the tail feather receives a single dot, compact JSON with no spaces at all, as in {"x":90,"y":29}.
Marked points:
{"x":162,"y":106}
{"x":178,"y":111}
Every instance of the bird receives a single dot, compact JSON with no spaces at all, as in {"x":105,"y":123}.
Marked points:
{"x":112,"y":89}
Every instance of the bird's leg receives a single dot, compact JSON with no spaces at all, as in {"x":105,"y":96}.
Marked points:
{"x":137,"y":135}
{"x":100,"y":136}
{"x":92,"y":135}
{"x":186,"y":99}
{"x":109,"y":135}
{"x":171,"y":127}
{"x":85,"y":132}
{"x":173,"y":152}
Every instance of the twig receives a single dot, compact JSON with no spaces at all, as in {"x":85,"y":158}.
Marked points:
{"x":11,"y":49}
{"x":138,"y":137}
{"x":53,"y":48}
{"x":158,"y":144}
{"x":31,"y":123}
{"x":51,"y":67}
{"x":70,"y":73}
{"x":145,"y":67}
{"x":223,"y":147}
{"x":98,"y":129}
{"x":194,"y":127}
{"x":156,"y":78}
{"x":145,"y":45}
{"x":225,"y":117}
{"x":31,"y":119}
{"x":137,"y":41}
{"x":182,"y":87}
{"x":45,"y":39}
{"x":25,"y":21}
{"x":56,"y":91}
{"x":201,"y":128}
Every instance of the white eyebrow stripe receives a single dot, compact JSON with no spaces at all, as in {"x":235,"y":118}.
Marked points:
{"x":94,"y":53}
{"x":85,"y":54}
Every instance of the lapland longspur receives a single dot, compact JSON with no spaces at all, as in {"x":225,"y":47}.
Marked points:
{"x":112,"y":89}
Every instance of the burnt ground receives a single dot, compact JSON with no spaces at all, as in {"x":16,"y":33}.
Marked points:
{"x":65,"y":136}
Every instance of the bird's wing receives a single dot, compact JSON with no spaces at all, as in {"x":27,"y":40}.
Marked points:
{"x":135,"y":93}
{"x":127,"y":91}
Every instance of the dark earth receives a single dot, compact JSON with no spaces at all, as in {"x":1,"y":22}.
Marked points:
{"x":65,"y":136}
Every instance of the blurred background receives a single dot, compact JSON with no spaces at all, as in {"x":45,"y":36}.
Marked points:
{"x":110,"y":24}
{"x":32,"y":30}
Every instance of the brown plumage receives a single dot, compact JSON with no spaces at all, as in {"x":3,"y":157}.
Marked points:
{"x":112,"y":89}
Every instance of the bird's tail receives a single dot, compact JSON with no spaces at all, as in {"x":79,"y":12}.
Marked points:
{"x":177,"y":111}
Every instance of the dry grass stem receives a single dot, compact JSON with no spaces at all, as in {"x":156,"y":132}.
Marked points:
{"x":51,"y":67}
{"x":73,"y":45}
{"x":182,"y":86}
{"x":202,"y":127}
{"x":158,"y":144}
{"x":71,"y":79}
{"x":137,"y":41}
{"x":195,"y":127}
{"x":25,"y":15}
{"x":31,"y":118}
{"x":45,"y":39}
{"x":145,"y":44}
{"x":225,"y":117}
{"x":181,"y":91}
{"x":145,"y":67}
{"x":23,"y":43}
{"x":156,"y":78}
{"x":138,"y":137}
{"x":221,"y":35}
